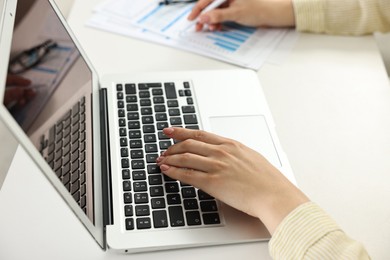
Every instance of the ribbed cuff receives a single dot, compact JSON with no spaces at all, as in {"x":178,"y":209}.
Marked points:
{"x":300,"y":230}
{"x":309,"y":15}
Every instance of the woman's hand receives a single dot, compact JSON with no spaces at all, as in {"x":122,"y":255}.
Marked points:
{"x":232,"y":173}
{"x":17,"y":91}
{"x":272,"y":13}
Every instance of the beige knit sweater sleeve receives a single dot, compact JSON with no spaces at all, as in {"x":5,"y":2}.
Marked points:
{"x":348,"y":17}
{"x":309,"y":233}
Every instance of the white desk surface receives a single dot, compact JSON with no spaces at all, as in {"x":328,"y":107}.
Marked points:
{"x":331,"y":103}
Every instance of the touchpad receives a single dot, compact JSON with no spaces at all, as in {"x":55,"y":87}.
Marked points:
{"x":252,"y":131}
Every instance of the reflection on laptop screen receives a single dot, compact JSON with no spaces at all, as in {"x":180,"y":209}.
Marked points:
{"x":48,"y":94}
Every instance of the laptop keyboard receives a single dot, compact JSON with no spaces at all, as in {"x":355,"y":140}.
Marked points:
{"x":152,"y":199}
{"x":64,"y":148}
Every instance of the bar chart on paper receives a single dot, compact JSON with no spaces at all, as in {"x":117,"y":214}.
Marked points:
{"x":235,"y":42}
{"x":167,"y":24}
{"x":230,"y":40}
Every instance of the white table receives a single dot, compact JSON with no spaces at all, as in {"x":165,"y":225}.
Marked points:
{"x":331,"y":103}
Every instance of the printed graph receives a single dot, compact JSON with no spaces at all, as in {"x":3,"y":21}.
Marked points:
{"x":231,"y":37}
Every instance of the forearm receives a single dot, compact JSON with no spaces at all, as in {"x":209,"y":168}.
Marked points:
{"x":348,"y":17}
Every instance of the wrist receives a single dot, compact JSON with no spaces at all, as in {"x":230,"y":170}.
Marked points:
{"x":281,"y":14}
{"x":279,"y":203}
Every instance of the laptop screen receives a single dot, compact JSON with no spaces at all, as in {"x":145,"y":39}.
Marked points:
{"x":46,"y":74}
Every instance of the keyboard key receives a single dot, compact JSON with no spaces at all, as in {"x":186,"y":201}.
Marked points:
{"x":130,"y":89}
{"x":190,"y":119}
{"x":173,"y":199}
{"x":208,"y":206}
{"x":165,"y":144}
{"x":126,"y":174}
{"x":155,"y":179}
{"x":142,"y":210}
{"x":133,"y":134}
{"x":151,"y":158}
{"x":129,"y":224}
{"x":135,"y":143}
{"x":204,"y":196}
{"x":162,"y":125}
{"x":146,"y":111}
{"x":128,"y":210}
{"x":193,"y":218}
{"x":172,"y":187}
{"x":139,"y":175}
{"x":151,"y":148}
{"x":149,"y":129}
{"x":173,"y":103}
{"x":132,"y":107}
{"x":127,"y":198}
{"x":125,"y":163}
{"x":147,"y":120}
{"x":137,"y":154}
{"x":126,"y":186}
{"x":124,"y":152}
{"x":170,"y":90}
{"x":140,"y":198}
{"x":158,"y":203}
{"x":156,"y":191}
{"x":190,"y":204}
{"x":140,"y":186}
{"x":143,"y":223}
{"x":188,"y":192}
{"x":144,"y":94}
{"x":134,"y":125}
{"x":160,"y":219}
{"x":211,"y":218}
{"x":150,"y":138}
{"x":153,"y":168}
{"x":137,"y":164}
{"x":131,"y":99}
{"x":159,"y":108}
{"x":157,"y":92}
{"x":176,"y":216}
{"x":145,"y":102}
{"x":188,"y":109}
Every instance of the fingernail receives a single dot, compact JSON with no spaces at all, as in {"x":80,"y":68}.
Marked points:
{"x":204,"y":19}
{"x":168,"y":130}
{"x":164,"y":167}
{"x":159,"y":159}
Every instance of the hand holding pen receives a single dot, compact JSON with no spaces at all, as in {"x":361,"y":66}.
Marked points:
{"x":276,"y":13}
{"x":18,"y":91}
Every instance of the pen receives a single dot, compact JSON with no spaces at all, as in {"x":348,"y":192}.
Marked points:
{"x":169,"y":2}
{"x":208,"y":8}
{"x":212,"y":5}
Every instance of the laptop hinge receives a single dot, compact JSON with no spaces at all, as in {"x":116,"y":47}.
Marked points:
{"x":105,"y":162}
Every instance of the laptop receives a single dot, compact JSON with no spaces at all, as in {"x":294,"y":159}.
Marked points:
{"x":96,"y":139}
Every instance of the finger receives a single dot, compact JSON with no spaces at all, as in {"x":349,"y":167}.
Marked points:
{"x":199,"y":135}
{"x":188,"y":161}
{"x":17,"y":81}
{"x":29,"y":93}
{"x":198,"y":27}
{"x":190,"y":146}
{"x":219,"y":15}
{"x":197,"y":9}
{"x":15,"y":93}
{"x":21,"y":102}
{"x":192,"y":177}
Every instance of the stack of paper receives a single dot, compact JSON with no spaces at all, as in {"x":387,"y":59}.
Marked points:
{"x":244,"y":46}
